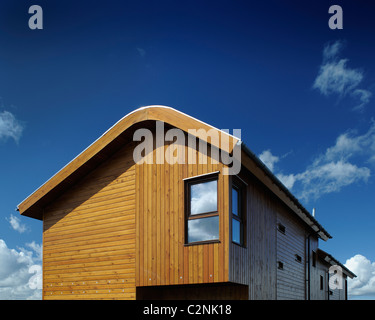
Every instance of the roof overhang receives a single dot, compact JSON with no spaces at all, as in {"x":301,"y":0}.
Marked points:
{"x":106,"y":144}
{"x":326,"y":257}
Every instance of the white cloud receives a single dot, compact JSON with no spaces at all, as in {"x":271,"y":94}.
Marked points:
{"x":268,"y":159}
{"x":37,"y":248}
{"x":335,"y":168}
{"x":330,"y":51}
{"x":335,"y":77}
{"x":322,"y":178}
{"x":287,"y":179}
{"x":16,"y":224}
{"x":364,"y":269}
{"x":350,"y":144}
{"x":17,"y":273}
{"x":363,"y":97}
{"x":10,"y":127}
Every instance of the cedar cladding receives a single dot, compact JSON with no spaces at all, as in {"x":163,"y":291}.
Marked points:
{"x":255,"y":263}
{"x":89,"y":235}
{"x":162,"y":258}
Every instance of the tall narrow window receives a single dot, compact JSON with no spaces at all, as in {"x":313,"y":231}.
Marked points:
{"x":238,"y":215}
{"x":314,"y":259}
{"x":202,"y":216}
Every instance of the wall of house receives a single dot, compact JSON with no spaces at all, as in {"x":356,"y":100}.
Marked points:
{"x":255,"y":263}
{"x":320,"y":270}
{"x":89,"y":235}
{"x":162,"y":258}
{"x":291,"y":281}
{"x":339,"y":294}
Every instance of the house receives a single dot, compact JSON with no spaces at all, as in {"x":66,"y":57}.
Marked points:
{"x":188,"y":228}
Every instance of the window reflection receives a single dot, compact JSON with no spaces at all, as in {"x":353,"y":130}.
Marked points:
{"x":203,"y":229}
{"x":238,"y":211}
{"x":235,"y":201}
{"x":236,"y":231}
{"x":203,"y":197}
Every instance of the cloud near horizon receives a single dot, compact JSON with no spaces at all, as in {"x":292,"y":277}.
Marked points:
{"x":335,"y":77}
{"x":364,"y":269}
{"x":20,"y":272}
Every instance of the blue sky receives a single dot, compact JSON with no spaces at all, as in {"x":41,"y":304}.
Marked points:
{"x":302,"y":94}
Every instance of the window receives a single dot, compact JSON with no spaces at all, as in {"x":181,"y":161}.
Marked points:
{"x":321,"y":283}
{"x":298,"y":258}
{"x":281,"y":228}
{"x":202,"y":216}
{"x":280,"y":265}
{"x":314,"y":259}
{"x":238,"y":211}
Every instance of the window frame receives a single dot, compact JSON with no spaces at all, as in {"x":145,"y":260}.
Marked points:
{"x":188,"y":182}
{"x":239,"y":185}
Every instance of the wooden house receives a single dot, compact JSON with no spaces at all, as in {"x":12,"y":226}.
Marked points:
{"x":114,"y":228}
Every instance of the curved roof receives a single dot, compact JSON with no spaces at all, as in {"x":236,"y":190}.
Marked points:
{"x":115,"y":137}
{"x":106,"y":144}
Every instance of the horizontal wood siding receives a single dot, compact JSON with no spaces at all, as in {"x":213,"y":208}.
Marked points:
{"x":162,"y":257}
{"x":291,"y":279}
{"x":89,"y":235}
{"x":255,"y":264}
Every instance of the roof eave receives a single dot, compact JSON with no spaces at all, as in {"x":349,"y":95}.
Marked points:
{"x":302,"y":212}
{"x":333,"y":261}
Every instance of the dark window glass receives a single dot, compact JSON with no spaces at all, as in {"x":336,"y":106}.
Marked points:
{"x":281,"y":228}
{"x":238,"y":210}
{"x":314,"y":259}
{"x":235,"y":201}
{"x":236,"y":231}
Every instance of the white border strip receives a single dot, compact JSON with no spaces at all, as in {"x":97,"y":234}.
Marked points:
{"x":202,"y":175}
